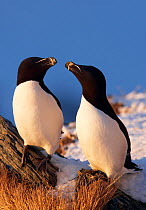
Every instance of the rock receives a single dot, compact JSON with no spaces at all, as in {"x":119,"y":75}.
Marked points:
{"x":11,"y":147}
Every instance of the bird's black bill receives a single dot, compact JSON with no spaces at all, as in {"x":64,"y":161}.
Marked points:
{"x":73,"y":67}
{"x":47,"y":61}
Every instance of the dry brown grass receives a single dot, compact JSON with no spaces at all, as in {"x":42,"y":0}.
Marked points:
{"x":15,"y":195}
{"x":96,"y":195}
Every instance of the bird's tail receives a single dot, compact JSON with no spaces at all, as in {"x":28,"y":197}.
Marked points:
{"x":129,"y":171}
{"x":130,"y":165}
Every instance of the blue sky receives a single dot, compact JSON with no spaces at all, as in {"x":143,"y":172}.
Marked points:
{"x":110,"y":35}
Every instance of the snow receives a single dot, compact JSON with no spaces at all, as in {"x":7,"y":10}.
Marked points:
{"x":133,"y":116}
{"x":135,"y":102}
{"x":75,"y":151}
{"x":68,"y":172}
{"x":68,"y":168}
{"x":135,"y":184}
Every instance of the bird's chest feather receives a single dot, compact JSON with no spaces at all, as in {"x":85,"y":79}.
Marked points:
{"x":34,"y":108}
{"x":95,"y":128}
{"x":91,"y":122}
{"x":29,"y":98}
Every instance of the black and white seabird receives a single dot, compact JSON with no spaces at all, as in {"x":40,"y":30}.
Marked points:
{"x":103,"y":137}
{"x":37,"y":111}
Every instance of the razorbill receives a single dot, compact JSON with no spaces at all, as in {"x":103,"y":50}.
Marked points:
{"x":103,"y":137}
{"x":37,"y":112}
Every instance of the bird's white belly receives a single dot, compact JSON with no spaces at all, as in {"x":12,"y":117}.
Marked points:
{"x":38,"y":118}
{"x":101,"y":139}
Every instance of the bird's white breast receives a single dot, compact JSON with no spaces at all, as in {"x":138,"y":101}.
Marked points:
{"x":101,"y":139}
{"x":38,"y":118}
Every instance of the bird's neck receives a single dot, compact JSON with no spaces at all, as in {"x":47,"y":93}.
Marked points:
{"x":94,"y":97}
{"x":100,"y":101}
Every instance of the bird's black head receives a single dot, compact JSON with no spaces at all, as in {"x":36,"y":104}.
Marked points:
{"x":34,"y":68}
{"x":92,"y":80}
